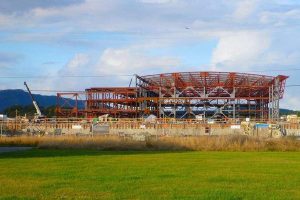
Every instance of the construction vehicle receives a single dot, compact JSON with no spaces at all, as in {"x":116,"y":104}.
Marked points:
{"x":38,"y":115}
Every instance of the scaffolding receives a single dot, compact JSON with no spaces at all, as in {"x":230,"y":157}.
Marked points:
{"x":115,"y":101}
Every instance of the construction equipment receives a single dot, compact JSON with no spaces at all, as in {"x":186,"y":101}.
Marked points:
{"x":38,"y":114}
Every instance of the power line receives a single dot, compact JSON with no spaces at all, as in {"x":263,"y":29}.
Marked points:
{"x":116,"y":75}
{"x":292,"y":85}
{"x":50,"y":90}
{"x":81,"y":91}
{"x":64,"y":76}
{"x":276,"y":70}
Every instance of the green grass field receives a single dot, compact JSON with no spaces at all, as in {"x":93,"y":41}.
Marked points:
{"x":90,"y":174}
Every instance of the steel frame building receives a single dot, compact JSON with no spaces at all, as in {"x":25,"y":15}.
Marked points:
{"x":184,"y":95}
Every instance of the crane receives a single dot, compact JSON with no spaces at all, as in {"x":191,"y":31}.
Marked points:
{"x":38,"y":111}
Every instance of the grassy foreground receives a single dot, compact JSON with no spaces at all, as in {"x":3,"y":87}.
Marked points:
{"x":92,"y":174}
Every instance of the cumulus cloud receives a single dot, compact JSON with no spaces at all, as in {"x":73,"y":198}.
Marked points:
{"x":77,"y":62}
{"x":240,"y":50}
{"x":76,"y":65}
{"x":244,"y":9}
{"x":115,"y":67}
{"x":131,"y":61}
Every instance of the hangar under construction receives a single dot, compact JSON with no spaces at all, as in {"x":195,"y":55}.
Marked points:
{"x":211,"y":95}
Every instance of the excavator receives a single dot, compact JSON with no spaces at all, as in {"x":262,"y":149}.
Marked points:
{"x":38,"y":115}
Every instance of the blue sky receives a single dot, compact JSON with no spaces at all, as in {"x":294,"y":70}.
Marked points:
{"x":98,"y":37}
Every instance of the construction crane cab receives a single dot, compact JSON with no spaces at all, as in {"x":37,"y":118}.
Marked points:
{"x":38,"y":115}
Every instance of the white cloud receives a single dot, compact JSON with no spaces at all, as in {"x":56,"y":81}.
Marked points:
{"x":244,"y":9}
{"x":240,"y":50}
{"x":133,"y":60}
{"x":290,"y":100}
{"x":110,"y":68}
{"x":277,"y":58}
{"x":78,"y":65}
{"x":79,"y":60}
{"x":280,"y":18}
{"x":21,"y":6}
{"x":136,"y":16}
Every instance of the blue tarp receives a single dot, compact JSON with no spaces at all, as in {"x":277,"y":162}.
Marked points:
{"x":261,"y":125}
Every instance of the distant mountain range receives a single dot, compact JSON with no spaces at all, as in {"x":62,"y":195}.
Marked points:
{"x":287,"y":111}
{"x":10,"y":98}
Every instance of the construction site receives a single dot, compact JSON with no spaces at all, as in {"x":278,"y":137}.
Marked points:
{"x":210,"y":95}
{"x":182,"y":103}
